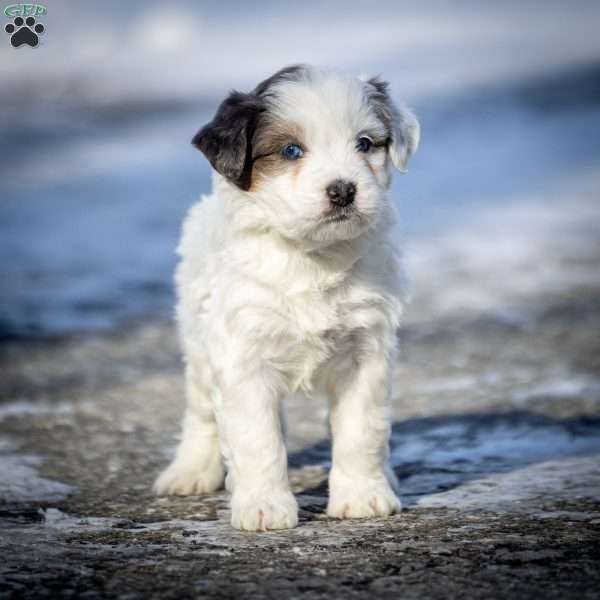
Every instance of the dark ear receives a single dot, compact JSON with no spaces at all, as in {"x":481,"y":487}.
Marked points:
{"x":226,"y":140}
{"x":404,"y":128}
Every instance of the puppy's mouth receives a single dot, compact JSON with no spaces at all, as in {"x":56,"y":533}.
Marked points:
{"x":339,"y":215}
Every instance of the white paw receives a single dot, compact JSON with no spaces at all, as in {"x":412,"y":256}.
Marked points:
{"x":182,"y":478}
{"x":262,"y":511}
{"x":359,"y":498}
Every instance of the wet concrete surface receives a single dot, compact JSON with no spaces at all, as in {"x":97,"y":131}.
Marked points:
{"x":496,"y":442}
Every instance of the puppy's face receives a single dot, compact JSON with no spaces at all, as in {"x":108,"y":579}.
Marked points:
{"x":311,"y":152}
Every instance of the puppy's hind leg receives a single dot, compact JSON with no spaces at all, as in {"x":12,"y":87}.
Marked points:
{"x":197,"y":467}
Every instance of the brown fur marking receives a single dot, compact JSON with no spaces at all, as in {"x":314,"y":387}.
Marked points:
{"x":270,"y":137}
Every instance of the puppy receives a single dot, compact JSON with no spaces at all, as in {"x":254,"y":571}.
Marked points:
{"x":289,"y":283}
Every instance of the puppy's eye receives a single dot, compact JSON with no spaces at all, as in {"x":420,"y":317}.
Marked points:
{"x":364,"y":143}
{"x":292,"y":152}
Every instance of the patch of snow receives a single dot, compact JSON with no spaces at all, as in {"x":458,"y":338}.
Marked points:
{"x":498,"y":260}
{"x":472,"y":463}
{"x":21,"y":482}
{"x":564,"y":479}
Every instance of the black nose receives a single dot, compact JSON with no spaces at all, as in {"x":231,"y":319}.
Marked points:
{"x":341,"y":193}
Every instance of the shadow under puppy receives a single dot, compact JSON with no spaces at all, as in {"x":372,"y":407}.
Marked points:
{"x":289,"y":283}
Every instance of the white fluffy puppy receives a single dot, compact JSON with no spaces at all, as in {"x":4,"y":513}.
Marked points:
{"x":289,"y":284}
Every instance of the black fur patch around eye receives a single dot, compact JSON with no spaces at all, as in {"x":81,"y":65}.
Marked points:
{"x":227,"y":140}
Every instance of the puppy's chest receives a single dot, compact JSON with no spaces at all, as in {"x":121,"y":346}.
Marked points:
{"x":324,"y":325}
{"x":316,"y":318}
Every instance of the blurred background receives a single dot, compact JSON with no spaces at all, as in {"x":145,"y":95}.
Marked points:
{"x":97,"y":169}
{"x":496,"y":408}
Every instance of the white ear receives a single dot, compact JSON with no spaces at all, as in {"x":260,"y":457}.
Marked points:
{"x":406,"y":134}
{"x":404,"y":127}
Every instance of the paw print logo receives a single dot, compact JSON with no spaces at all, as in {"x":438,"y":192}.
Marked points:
{"x":24,"y":32}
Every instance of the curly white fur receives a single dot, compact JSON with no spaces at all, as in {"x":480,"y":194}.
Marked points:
{"x":275,"y":299}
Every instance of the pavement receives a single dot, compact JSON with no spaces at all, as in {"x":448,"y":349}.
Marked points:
{"x":496,"y":442}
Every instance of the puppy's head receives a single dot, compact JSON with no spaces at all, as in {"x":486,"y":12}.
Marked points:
{"x":310,"y":151}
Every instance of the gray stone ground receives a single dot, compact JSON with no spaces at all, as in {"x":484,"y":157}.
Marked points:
{"x":496,"y":442}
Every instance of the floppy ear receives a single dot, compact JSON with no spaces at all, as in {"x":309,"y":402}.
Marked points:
{"x":226,"y":140}
{"x":404,"y":128}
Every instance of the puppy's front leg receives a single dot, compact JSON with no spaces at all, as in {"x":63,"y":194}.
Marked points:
{"x":256,"y":458}
{"x":361,"y":480}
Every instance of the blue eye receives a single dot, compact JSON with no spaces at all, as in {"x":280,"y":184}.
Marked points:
{"x":292,"y":152}
{"x":364,"y":144}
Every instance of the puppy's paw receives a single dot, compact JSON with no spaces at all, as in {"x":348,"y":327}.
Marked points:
{"x":359,"y":498}
{"x":264,"y":511}
{"x":182,"y":478}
